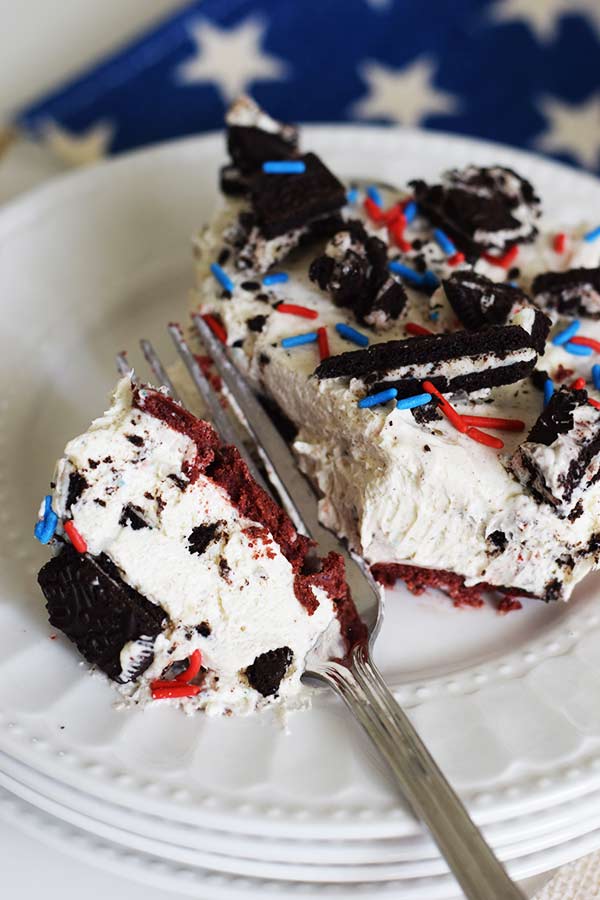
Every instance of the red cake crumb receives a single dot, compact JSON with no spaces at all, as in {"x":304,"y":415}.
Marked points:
{"x":418,"y":580}
{"x":508,"y":604}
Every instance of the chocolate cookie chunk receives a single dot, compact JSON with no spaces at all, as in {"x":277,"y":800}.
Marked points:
{"x":479,"y":302}
{"x":561,"y":457}
{"x":253,"y":137}
{"x":282,"y":203}
{"x":354,"y":271}
{"x":463,"y":360}
{"x":572,"y":293}
{"x":481,"y":208}
{"x":267,"y":670}
{"x":88,"y":601}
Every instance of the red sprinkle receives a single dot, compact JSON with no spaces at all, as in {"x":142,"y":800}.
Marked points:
{"x":560,"y":242}
{"x":74,"y":536}
{"x":397,"y":232}
{"x":456,"y":258}
{"x":373,"y":211}
{"x":415,"y":329}
{"x":194,"y":664}
{"x":493,"y":422}
{"x":216,"y":327}
{"x":447,"y":409}
{"x":586,"y":342}
{"x":505,"y":260}
{"x":393,"y":215}
{"x":578,"y":384}
{"x":595,"y":403}
{"x":482,"y":438}
{"x":295,"y":310}
{"x":323,"y":342}
{"x":165,"y":690}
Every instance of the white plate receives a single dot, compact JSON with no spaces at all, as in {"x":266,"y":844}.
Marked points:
{"x":204,"y":884}
{"x":509,"y":706}
{"x":322,"y":861}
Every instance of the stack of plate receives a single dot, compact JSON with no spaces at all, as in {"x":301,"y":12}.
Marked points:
{"x":508,"y":705}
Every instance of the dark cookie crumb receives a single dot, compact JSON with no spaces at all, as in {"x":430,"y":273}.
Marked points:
{"x":135,"y":439}
{"x":131,"y":517}
{"x":267,"y":671}
{"x":201,"y":536}
{"x":77,"y":485}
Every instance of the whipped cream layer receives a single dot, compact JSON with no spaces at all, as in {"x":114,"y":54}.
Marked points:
{"x":179,"y":539}
{"x":399,"y":489}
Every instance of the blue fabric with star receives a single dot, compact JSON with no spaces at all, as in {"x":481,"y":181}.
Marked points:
{"x":523,"y":72}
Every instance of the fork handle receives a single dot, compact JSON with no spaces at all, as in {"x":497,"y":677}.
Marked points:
{"x":360,"y":684}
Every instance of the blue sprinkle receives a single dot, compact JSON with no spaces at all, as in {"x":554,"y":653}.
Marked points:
{"x":376,"y":399}
{"x":352,"y":195}
{"x":444,"y":242}
{"x":410,"y":211}
{"x":577,"y":349}
{"x":408,"y":274}
{"x":374,"y":194}
{"x":276,"y":278}
{"x":564,"y":336}
{"x":284,"y":167}
{"x":222,"y":277}
{"x":45,"y":528}
{"x":548,"y":390}
{"x":411,"y":402}
{"x":434,"y":316}
{"x":430,"y":280}
{"x":592,"y":235}
{"x":596,"y":376}
{"x":309,"y":338}
{"x":351,"y":334}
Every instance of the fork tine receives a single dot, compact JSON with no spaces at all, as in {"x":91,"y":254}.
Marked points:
{"x":158,"y":370}
{"x":219,"y":417}
{"x":123,"y":366}
{"x":295,"y":493}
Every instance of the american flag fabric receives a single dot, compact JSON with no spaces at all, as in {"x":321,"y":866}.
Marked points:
{"x":523,"y":72}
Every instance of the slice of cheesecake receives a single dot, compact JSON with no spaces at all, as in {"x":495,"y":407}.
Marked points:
{"x":377,"y":299}
{"x":175,"y":573}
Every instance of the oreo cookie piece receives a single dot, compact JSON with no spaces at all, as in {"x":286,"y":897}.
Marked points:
{"x":253,"y":137}
{"x":561,"y":457}
{"x":232,"y":182}
{"x":353,"y":270}
{"x":481,"y":208}
{"x":572,"y":293}
{"x":88,"y":601}
{"x":479,"y":302}
{"x":267,"y":670}
{"x":283,"y":203}
{"x":463,"y":360}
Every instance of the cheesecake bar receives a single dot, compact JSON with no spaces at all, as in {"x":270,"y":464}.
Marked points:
{"x":175,"y":573}
{"x":412,"y":341}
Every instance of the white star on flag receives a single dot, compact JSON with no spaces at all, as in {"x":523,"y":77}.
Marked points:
{"x":81,"y":148}
{"x":573,"y":128}
{"x":542,"y":16}
{"x":402,"y":95}
{"x":230,"y":58}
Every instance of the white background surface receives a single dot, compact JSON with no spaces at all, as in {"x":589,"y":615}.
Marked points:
{"x":44,"y":42}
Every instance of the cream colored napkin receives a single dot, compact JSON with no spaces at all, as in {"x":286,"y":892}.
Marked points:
{"x":578,"y":880}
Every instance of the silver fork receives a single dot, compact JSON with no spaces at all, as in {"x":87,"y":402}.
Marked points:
{"x":355,"y":679}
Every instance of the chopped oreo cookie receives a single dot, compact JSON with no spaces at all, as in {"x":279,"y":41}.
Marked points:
{"x":77,"y":485}
{"x":353,"y":270}
{"x":87,"y":600}
{"x":201,"y":536}
{"x":283,"y":203}
{"x":267,"y":671}
{"x":572,"y":293}
{"x":463,"y":360}
{"x":561,"y":457}
{"x":253,"y":137}
{"x":481,"y":209}
{"x":479,"y":302}
{"x":131,"y":517}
